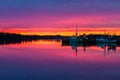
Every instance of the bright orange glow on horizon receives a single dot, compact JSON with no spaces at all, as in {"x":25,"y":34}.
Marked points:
{"x":62,"y":31}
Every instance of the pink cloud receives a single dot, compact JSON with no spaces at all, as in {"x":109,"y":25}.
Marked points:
{"x":61,"y":20}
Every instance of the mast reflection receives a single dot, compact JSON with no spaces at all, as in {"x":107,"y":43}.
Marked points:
{"x":107,"y":48}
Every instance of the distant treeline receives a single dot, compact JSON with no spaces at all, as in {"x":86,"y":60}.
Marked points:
{"x":8,"y":38}
{"x":94,"y":36}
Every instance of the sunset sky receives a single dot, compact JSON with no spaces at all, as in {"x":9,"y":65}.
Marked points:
{"x":59,"y":16}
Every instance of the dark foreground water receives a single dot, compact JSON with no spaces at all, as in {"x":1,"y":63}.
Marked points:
{"x":48,"y":60}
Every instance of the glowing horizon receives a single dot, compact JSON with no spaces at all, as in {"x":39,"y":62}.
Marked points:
{"x":62,"y":31}
{"x":59,"y":17}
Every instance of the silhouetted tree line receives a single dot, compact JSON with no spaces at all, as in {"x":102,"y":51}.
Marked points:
{"x":8,"y":38}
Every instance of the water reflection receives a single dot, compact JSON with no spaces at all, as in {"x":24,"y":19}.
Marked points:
{"x":54,"y":60}
{"x":107,"y":48}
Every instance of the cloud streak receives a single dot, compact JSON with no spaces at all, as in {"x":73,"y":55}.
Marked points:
{"x":59,"y":13}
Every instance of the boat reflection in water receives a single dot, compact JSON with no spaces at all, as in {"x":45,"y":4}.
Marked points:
{"x":55,"y":60}
{"x":105,"y":44}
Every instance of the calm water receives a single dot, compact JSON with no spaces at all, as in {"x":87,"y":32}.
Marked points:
{"x":48,"y":60}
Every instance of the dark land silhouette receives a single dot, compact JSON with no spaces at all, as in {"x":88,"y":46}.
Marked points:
{"x":8,"y":38}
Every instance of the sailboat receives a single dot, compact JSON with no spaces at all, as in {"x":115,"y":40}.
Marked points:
{"x":74,"y":38}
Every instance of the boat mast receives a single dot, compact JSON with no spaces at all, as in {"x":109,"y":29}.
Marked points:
{"x":76,"y":32}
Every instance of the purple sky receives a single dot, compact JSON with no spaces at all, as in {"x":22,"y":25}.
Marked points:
{"x":59,"y":13}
